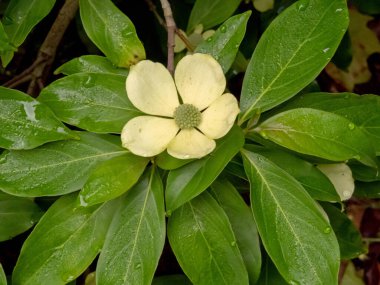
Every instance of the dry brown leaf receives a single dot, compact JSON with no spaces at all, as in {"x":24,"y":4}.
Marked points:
{"x":364,"y":43}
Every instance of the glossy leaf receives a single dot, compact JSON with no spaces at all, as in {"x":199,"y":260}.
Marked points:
{"x":19,"y":19}
{"x":136,"y":237}
{"x":5,"y":45}
{"x":55,"y":168}
{"x":92,"y":101}
{"x":3,"y":278}
{"x":111,"y":31}
{"x":319,"y":133}
{"x":171,"y":280}
{"x":63,"y":244}
{"x":168,"y":162}
{"x":269,"y":273}
{"x":16,"y":215}
{"x":311,"y":178}
{"x":224,"y":44}
{"x":369,"y":190}
{"x":210,"y":13}
{"x":26,"y":123}
{"x":203,"y":242}
{"x":362,"y":110}
{"x":243,"y":225}
{"x":291,"y":223}
{"x":90,"y":64}
{"x":364,"y":173}
{"x":111,"y":178}
{"x":190,"y":180}
{"x":292,"y":52}
{"x":349,"y":238}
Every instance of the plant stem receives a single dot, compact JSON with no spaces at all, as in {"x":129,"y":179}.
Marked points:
{"x":40,"y":68}
{"x":161,"y":21}
{"x":171,"y":27}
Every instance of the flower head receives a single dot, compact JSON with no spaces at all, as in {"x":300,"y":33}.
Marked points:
{"x":185,"y":125}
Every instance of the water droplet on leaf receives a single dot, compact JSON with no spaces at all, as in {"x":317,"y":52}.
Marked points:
{"x":223,"y":29}
{"x":327,"y":230}
{"x":302,"y":5}
{"x":233,"y":243}
{"x":326,"y":50}
{"x":351,"y":126}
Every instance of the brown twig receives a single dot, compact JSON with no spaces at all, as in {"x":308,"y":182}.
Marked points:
{"x":171,"y":27}
{"x":40,"y":68}
{"x":161,"y":21}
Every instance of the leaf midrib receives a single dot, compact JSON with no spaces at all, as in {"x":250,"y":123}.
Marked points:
{"x":298,"y":241}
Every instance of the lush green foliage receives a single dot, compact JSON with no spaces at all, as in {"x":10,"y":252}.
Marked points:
{"x":117,"y":205}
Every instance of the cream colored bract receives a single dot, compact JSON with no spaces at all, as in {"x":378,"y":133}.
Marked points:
{"x":200,"y":82}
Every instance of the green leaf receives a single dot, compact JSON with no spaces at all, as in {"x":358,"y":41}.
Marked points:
{"x":203,"y":242}
{"x":5,"y":45}
{"x":3,"y":278}
{"x":19,"y":19}
{"x":26,"y":123}
{"x":171,"y":280}
{"x":63,"y":244}
{"x":111,"y":178}
{"x":56,"y":168}
{"x":243,"y":225}
{"x":136,"y":237}
{"x":168,"y":162}
{"x":111,"y":31}
{"x":224,"y":44}
{"x":269,"y":273}
{"x":311,"y":178}
{"x":96,"y":102}
{"x":349,"y":238}
{"x":210,"y":13}
{"x":371,"y":7}
{"x":364,"y":173}
{"x":90,"y":64}
{"x":369,"y":190}
{"x":292,"y":227}
{"x":320,"y":134}
{"x":362,"y":110}
{"x":292,"y":52}
{"x":190,"y":180}
{"x":16,"y":215}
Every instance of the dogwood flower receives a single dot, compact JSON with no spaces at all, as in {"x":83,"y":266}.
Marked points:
{"x":185,"y":125}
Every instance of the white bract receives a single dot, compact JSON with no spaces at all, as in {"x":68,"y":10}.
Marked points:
{"x":340,"y":176}
{"x":187,"y":125}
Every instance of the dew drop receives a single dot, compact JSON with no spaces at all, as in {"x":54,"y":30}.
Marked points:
{"x":137,"y":266}
{"x":209,"y":39}
{"x":326,"y":50}
{"x":223,"y":29}
{"x":351,"y":126}
{"x":302,"y":5}
{"x":292,"y":282}
{"x":347,"y":194}
{"x":186,"y":156}
{"x":233,"y":243}
{"x":89,"y":83}
{"x":327,"y":230}
{"x":338,"y":10}
{"x":168,"y":213}
{"x":126,"y":33}
{"x":82,"y":201}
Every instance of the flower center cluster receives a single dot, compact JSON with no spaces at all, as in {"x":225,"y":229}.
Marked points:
{"x":187,"y":116}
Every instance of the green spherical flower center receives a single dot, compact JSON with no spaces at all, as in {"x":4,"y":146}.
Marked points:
{"x":187,"y":116}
